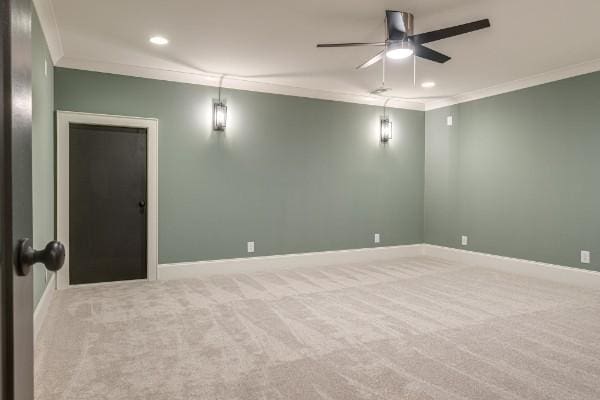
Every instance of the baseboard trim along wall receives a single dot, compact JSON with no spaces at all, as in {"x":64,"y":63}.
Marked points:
{"x":197,"y":269}
{"x":556,"y":273}
{"x":41,"y":311}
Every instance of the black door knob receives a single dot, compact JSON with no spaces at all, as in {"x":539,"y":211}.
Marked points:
{"x":53,"y":256}
{"x":142,"y":204}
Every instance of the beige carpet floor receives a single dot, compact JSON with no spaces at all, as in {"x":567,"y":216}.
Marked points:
{"x":417,"y":328}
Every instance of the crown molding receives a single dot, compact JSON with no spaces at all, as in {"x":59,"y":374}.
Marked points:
{"x":231,"y":82}
{"x":49,"y":24}
{"x":534,"y":80}
{"x":198,"y":78}
{"x":45,"y":12}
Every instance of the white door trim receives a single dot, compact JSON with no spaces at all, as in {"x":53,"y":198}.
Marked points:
{"x":64,"y":119}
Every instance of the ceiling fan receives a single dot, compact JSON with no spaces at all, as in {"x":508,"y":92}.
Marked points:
{"x":401,"y":42}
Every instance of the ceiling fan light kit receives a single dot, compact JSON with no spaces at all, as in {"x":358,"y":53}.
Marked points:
{"x":398,"y":51}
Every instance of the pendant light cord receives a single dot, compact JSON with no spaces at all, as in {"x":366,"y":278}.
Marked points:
{"x":220,"y":86}
{"x":384,"y":57}
{"x":414,"y":70}
{"x":385,"y":107}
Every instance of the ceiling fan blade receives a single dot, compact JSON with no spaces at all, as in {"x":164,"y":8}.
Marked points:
{"x":429,"y":54}
{"x":371,"y":61}
{"x":350,"y":44}
{"x":398,"y":24}
{"x":432,"y":36}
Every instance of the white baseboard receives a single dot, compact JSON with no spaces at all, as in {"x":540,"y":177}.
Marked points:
{"x":556,"y":273}
{"x":197,"y":269}
{"x":552,"y":272}
{"x":39,"y":315}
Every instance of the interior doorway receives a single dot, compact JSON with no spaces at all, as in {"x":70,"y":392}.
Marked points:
{"x":107,"y":197}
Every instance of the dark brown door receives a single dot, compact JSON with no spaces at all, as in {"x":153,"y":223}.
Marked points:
{"x":15,"y":204}
{"x":107,"y":203}
{"x":16,"y":254}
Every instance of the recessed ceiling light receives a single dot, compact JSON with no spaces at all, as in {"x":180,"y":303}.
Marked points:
{"x":428,"y":85}
{"x":159,"y":40}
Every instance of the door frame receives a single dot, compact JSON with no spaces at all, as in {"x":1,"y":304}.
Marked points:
{"x":64,"y":119}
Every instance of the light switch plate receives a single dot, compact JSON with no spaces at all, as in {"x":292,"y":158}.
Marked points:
{"x":377,"y":238}
{"x":250,"y":247}
{"x":585,"y":257}
{"x":449,"y":120}
{"x":464,"y":240}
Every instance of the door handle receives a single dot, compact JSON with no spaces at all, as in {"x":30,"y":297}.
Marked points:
{"x":53,"y":256}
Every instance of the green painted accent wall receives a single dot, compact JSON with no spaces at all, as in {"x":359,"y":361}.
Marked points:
{"x":292,"y":174}
{"x":42,"y":150}
{"x":519,"y":173}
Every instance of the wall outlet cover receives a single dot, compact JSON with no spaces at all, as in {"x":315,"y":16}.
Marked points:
{"x":250,"y":247}
{"x":377,"y":238}
{"x":585,"y":257}
{"x":449,"y":120}
{"x":464,"y":240}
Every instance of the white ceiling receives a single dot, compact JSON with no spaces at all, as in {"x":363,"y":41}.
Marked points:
{"x":273,"y":41}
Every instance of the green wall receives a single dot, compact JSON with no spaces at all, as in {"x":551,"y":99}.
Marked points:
{"x":518,"y":173}
{"x":292,"y":174}
{"x":42,"y":150}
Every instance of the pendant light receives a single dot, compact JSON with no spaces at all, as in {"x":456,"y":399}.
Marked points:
{"x":385,"y":125}
{"x":219,"y":113}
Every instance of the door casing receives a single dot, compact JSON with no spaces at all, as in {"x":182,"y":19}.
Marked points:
{"x":64,"y":119}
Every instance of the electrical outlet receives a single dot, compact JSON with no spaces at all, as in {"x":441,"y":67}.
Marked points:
{"x":250,"y":247}
{"x":464,"y":240}
{"x":585,"y":257}
{"x":45,"y":67}
{"x":376,"y":238}
{"x":449,"y":121}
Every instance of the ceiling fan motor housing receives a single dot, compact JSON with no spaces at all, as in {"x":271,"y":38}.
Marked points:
{"x":403,"y":24}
